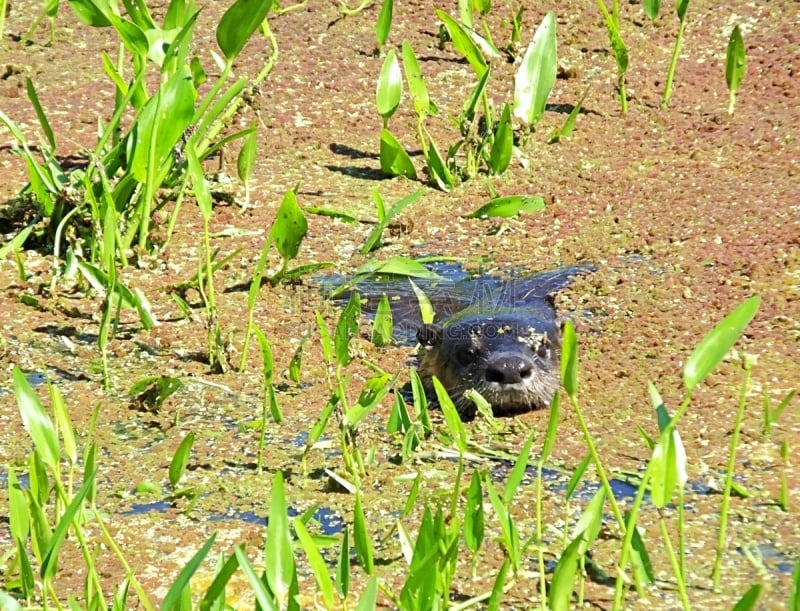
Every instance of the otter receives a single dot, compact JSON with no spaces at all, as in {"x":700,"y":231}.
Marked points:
{"x":511,"y":356}
{"x":499,"y":337}
{"x":507,"y":347}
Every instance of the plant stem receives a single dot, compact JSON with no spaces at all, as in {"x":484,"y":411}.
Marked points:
{"x":673,"y":65}
{"x":726,"y":496}
{"x":680,"y":578}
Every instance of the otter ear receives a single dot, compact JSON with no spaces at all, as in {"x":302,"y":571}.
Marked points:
{"x":429,"y":335}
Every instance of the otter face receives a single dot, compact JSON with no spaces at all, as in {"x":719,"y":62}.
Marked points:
{"x":512,"y":359}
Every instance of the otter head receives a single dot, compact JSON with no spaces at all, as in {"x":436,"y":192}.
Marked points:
{"x":511,"y":358}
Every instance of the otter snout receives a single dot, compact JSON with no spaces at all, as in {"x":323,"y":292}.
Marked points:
{"x":507,"y":368}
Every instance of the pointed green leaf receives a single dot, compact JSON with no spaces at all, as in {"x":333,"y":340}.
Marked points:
{"x":509,"y":206}
{"x":384,"y":23}
{"x":390,"y":86}
{"x":238,"y":24}
{"x":280,"y":567}
{"x":394,"y":159}
{"x":536,"y":74}
{"x":181,"y":458}
{"x":500,"y":157}
{"x":36,"y":421}
{"x":462,"y":42}
{"x":714,"y":346}
{"x":290,"y":227}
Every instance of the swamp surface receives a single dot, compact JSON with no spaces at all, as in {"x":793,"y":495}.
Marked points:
{"x":685,"y":212}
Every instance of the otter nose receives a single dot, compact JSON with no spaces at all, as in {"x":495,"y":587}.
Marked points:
{"x":508,"y":369}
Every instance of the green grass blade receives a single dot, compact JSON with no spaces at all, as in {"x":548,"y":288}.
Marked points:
{"x":714,"y":346}
{"x":54,"y":544}
{"x":36,"y":420}
{"x":63,"y":423}
{"x":18,"y":516}
{"x":247,"y":155}
{"x":177,"y":591}
{"x":517,"y":473}
{"x":262,"y":595}
{"x":37,"y":106}
{"x":317,"y":564}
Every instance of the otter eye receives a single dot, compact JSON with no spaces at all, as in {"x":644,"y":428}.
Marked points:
{"x":542,"y":351}
{"x":467,"y":356}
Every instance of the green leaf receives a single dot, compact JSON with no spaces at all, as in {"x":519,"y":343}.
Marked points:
{"x":569,"y":359}
{"x":92,"y":12}
{"x":374,"y":390}
{"x":346,"y":328}
{"x":247,"y":155}
{"x":454,"y":424}
{"x":500,"y":157}
{"x":383,"y":326}
{"x":394,"y":159}
{"x":386,"y":218}
{"x":536,"y":74}
{"x":565,"y":131}
{"x":552,"y":428}
{"x":238,"y":24}
{"x":280,"y":567}
{"x":591,"y":521}
{"x":473,"y":514}
{"x":518,"y":472}
{"x":462,"y":42}
{"x":384,"y":23}
{"x":18,"y":517}
{"x":735,"y":59}
{"x":362,"y":541}
{"x":201,"y":191}
{"x":173,"y":598}
{"x":681,"y":7}
{"x":368,"y":600}
{"x":651,"y":8}
{"x":562,"y":584}
{"x":266,"y":356}
{"x":262,"y":594}
{"x":37,"y":106}
{"x":714,"y":346}
{"x":50,"y":557}
{"x":163,"y":119}
{"x":750,"y":598}
{"x":508,"y":206}
{"x":317,"y":564}
{"x":471,"y":103}
{"x":290,"y":227}
{"x":343,"y":564}
{"x":181,"y":458}
{"x":416,"y":84}
{"x":390,"y":87}
{"x":437,"y":167}
{"x":36,"y":421}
